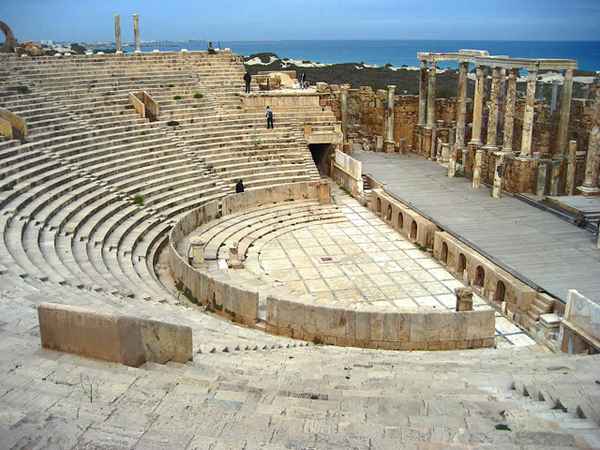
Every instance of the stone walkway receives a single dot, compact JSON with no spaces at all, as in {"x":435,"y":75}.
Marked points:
{"x":536,"y":246}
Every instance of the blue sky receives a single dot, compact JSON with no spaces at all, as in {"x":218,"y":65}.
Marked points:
{"x":91,"y":20}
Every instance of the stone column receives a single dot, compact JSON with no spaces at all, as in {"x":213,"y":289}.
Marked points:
{"x":565,"y":113}
{"x":554,"y":98}
{"x":478,"y":106}
{"x":423,"y":94}
{"x":431,"y":97}
{"x":590,"y":184}
{"x":528,"y":116}
{"x":477,"y":168}
{"x":509,"y":112}
{"x":492,"y":130}
{"x":389,"y":123}
{"x":344,"y":110}
{"x":118,"y":45}
{"x":136,"y":33}
{"x":571,"y":168}
{"x":461,"y":108}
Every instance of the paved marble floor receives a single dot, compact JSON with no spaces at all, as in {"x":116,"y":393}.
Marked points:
{"x":363,"y":262}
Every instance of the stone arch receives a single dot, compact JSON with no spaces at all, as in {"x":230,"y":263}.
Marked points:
{"x":414,"y":230}
{"x":9,"y":39}
{"x":378,"y":205}
{"x":400,"y":221}
{"x":462,"y":264}
{"x":500,"y":293}
{"x":479,"y":276}
{"x":388,"y":215}
{"x":444,"y":255}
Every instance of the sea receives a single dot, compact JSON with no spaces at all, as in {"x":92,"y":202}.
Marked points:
{"x":398,"y":53}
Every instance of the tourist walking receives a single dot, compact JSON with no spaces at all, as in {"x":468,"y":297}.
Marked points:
{"x":269,"y":115}
{"x":239,"y":186}
{"x":248,"y":80}
{"x":211,"y":50}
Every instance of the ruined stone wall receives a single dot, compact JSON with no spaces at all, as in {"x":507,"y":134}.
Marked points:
{"x":367,"y":113}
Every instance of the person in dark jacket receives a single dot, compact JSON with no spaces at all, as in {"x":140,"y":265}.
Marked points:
{"x":248,"y":80}
{"x":239,"y":186}
{"x":269,"y":115}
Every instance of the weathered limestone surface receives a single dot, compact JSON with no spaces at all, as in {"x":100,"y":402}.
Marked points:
{"x":136,"y":33}
{"x":509,"y":112}
{"x":126,"y":340}
{"x":565,"y":113}
{"x":529,"y":115}
{"x":478,"y":106}
{"x":389,"y":129}
{"x":431,"y":95}
{"x":492,"y":127}
{"x":118,"y":45}
{"x":461,"y":108}
{"x":423,"y":95}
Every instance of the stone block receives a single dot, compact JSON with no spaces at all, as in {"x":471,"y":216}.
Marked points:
{"x":127,"y":340}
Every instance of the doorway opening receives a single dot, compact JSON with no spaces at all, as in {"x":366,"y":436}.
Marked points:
{"x":321,"y":155}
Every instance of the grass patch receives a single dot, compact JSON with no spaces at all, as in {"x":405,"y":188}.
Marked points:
{"x":198,"y":95}
{"x":138,"y":200}
{"x":177,"y":97}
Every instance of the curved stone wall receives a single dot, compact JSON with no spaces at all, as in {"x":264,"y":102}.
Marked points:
{"x":365,"y":326}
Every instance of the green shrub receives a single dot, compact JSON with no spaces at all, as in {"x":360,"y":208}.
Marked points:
{"x":177,"y":97}
{"x":198,"y":95}
{"x":138,"y":200}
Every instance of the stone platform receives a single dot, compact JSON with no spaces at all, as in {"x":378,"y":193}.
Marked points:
{"x":537,"y":247}
{"x":355,"y":263}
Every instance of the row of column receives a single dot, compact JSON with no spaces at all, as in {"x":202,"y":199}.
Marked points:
{"x":427,"y":109}
{"x":136,"y":34}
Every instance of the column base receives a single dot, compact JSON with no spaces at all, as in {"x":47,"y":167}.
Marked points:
{"x":389,"y":147}
{"x":118,"y":52}
{"x":589,"y":191}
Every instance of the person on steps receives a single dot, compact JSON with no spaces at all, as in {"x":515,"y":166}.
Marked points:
{"x":269,"y":115}
{"x":239,"y":186}
{"x":248,"y":80}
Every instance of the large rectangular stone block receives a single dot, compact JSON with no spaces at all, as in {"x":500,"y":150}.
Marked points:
{"x":110,"y":337}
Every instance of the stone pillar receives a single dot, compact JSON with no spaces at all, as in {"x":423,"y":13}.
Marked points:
{"x":118,"y":45}
{"x":509,"y":112}
{"x":498,"y":175}
{"x":136,"y":33}
{"x":324,"y":192}
{"x":571,"y":168}
{"x":477,"y":168}
{"x":461,"y":107}
{"x":431,"y":97}
{"x":554,"y":98}
{"x":464,"y":299}
{"x":492,"y":130}
{"x":423,"y":94}
{"x":528,"y":116}
{"x":389,"y":123}
{"x":562,"y":138}
{"x":344,"y":109}
{"x":478,"y":106}
{"x":590,"y":184}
